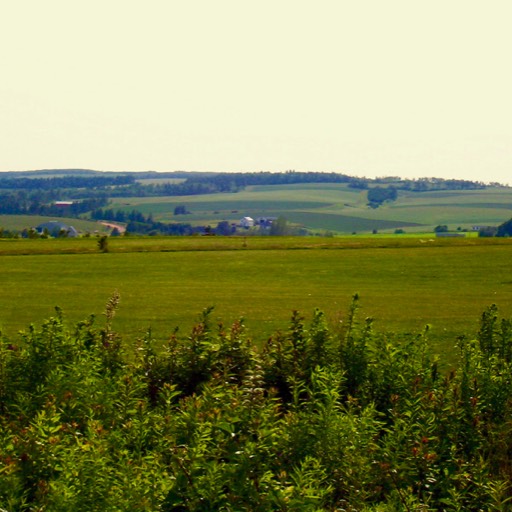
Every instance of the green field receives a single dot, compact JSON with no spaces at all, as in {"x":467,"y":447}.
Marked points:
{"x":21,"y":222}
{"x":335,"y":207}
{"x":318,"y":207}
{"x":404,"y":283}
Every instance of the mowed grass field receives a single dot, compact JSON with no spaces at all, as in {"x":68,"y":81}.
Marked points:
{"x":403,"y":283}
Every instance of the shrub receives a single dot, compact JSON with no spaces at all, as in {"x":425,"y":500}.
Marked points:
{"x":320,"y":419}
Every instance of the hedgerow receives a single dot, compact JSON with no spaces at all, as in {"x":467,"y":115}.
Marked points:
{"x":321,"y":418}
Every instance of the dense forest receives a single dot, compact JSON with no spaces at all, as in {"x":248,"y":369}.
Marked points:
{"x":42,"y":202}
{"x":320,"y":418}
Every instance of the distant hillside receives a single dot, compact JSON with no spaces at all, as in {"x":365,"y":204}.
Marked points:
{"x":231,"y":181}
{"x":48,"y":173}
{"x":310,"y":201}
{"x":335,"y":207}
{"x":44,"y":173}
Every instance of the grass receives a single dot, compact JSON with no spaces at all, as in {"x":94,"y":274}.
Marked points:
{"x":404,"y":283}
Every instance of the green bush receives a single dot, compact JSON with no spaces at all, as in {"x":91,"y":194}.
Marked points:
{"x":321,"y":418}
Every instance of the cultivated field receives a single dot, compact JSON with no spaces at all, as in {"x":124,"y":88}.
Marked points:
{"x":319,"y":207}
{"x":404,"y":283}
{"x":335,"y":207}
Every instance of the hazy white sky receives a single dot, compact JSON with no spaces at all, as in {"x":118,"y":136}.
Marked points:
{"x":366,"y":87}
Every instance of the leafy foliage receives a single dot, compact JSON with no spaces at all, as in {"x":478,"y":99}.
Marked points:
{"x":505,"y":229}
{"x":323,"y":418}
{"x":378,"y":195}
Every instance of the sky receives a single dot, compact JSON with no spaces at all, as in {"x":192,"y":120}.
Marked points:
{"x":368,"y":88}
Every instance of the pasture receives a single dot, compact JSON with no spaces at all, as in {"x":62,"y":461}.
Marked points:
{"x":403,"y":283}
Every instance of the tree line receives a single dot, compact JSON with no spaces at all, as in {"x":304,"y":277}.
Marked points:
{"x":503,"y":230}
{"x":137,"y":184}
{"x":43,"y":202}
{"x":235,"y":182}
{"x":66,"y":182}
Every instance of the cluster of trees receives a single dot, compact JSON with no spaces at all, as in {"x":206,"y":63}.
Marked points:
{"x":181,"y":210}
{"x":109,"y":214}
{"x":388,"y":192}
{"x":41,"y":202}
{"x":8,"y":233}
{"x":233,"y":182}
{"x":420,"y":184}
{"x":503,"y":230}
{"x":378,"y":195}
{"x":138,"y":223}
{"x":164,"y":228}
{"x":431,"y":184}
{"x":65,"y":182}
{"x":320,"y":418}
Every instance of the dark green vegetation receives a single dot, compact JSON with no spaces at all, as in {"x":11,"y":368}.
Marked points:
{"x":405,"y":282}
{"x":184,"y":203}
{"x":320,"y":418}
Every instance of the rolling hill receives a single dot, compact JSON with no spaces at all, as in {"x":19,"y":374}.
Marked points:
{"x":318,"y":202}
{"x":335,"y":207}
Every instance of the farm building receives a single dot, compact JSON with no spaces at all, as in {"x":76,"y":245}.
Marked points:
{"x":482,"y":228}
{"x":247,"y":222}
{"x":265,"y":222}
{"x":56,"y":228}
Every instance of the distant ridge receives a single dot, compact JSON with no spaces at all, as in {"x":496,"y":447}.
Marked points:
{"x":42,"y":173}
{"x":207,"y":182}
{"x":49,"y":172}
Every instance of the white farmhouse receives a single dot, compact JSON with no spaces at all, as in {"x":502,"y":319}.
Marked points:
{"x":247,"y":222}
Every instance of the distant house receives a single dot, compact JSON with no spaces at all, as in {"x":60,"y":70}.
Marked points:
{"x":63,"y":204}
{"x":55,"y":228}
{"x":246,"y":222}
{"x":265,"y":222}
{"x":482,"y":228}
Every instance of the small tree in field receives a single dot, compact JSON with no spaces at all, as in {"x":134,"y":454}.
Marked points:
{"x":181,"y":210}
{"x":279,"y":227}
{"x":103,"y":243}
{"x":223,"y":228}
